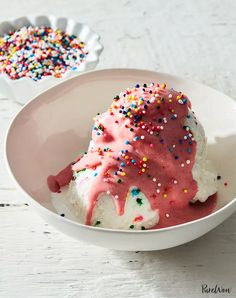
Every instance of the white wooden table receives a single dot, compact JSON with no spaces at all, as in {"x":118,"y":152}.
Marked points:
{"x":193,"y":39}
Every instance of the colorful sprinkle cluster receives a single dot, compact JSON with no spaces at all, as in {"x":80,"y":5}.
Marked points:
{"x":37,"y":52}
{"x":135,"y":108}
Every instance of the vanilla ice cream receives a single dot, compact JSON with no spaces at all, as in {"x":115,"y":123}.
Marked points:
{"x":145,"y":163}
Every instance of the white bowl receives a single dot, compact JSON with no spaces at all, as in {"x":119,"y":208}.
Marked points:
{"x":51,"y":131}
{"x":25,"y":89}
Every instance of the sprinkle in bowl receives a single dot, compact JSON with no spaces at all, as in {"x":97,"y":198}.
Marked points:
{"x":40,"y":52}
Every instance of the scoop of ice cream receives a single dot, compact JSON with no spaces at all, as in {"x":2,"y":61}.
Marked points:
{"x":137,"y":211}
{"x":203,"y":172}
{"x":146,"y":162}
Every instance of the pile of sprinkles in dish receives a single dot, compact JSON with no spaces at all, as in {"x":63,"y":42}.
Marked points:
{"x":37,"y":52}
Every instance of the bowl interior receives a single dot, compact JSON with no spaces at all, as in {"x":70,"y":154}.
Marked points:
{"x":55,"y":127}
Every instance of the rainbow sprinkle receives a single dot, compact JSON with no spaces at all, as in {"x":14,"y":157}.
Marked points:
{"x":37,"y":52}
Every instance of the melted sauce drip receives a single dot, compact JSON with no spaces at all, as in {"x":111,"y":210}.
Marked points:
{"x":63,"y":178}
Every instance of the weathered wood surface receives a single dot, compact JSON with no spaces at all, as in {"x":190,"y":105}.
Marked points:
{"x":193,"y":39}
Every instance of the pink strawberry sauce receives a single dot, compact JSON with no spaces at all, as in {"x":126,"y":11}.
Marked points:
{"x":63,"y":178}
{"x":141,"y":141}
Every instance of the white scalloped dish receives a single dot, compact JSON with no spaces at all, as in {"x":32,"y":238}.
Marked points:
{"x":24,"y":89}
